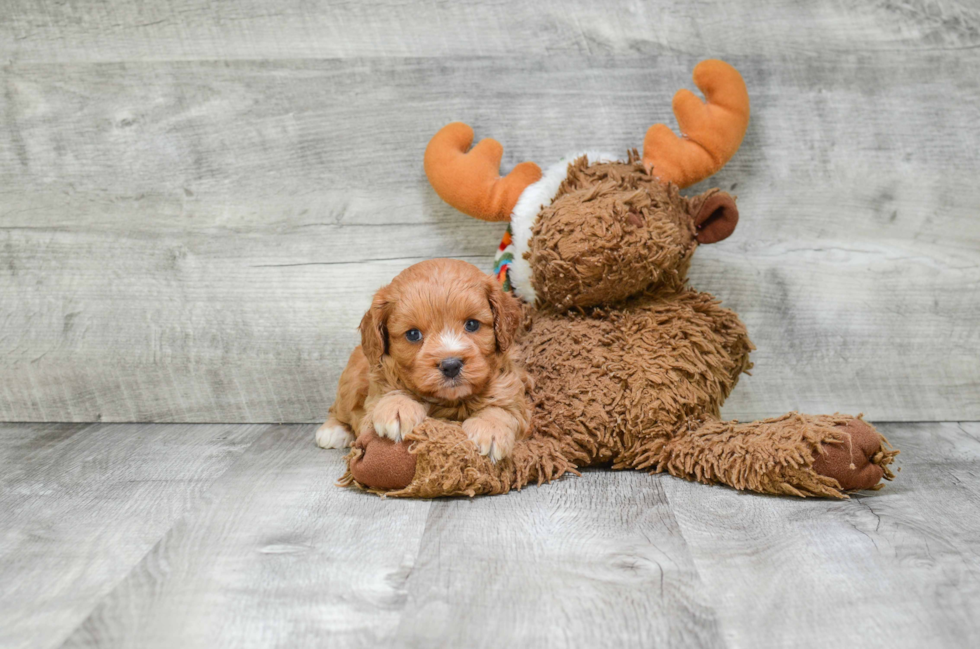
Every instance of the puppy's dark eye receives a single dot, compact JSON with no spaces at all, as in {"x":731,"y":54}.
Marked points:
{"x":472,"y":325}
{"x":413,"y":335}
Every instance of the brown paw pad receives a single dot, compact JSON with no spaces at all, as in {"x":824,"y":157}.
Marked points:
{"x":860,"y":461}
{"x":380,"y":463}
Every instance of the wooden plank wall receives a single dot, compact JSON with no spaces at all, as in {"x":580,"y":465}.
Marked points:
{"x":197,"y":199}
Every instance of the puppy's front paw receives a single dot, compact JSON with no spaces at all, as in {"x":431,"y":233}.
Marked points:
{"x":395,"y":416}
{"x":494,"y":439}
{"x":333,"y":434}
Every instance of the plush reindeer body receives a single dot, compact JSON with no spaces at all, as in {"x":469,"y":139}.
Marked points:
{"x":630,"y":365}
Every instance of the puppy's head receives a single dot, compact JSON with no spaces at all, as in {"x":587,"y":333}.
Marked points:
{"x":440,"y":328}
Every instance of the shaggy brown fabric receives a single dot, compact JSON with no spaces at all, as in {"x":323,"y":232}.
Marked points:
{"x":778,"y":456}
{"x":446,"y":463}
{"x":771,"y":456}
{"x":629,"y":366}
{"x":611,"y":231}
{"x":606,"y":378}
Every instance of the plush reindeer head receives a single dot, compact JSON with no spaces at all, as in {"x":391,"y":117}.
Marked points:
{"x":593,"y":230}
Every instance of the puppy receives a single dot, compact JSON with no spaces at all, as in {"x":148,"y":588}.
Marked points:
{"x":435,"y":343}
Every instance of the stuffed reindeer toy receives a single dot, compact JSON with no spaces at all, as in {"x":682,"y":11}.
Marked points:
{"x":629,"y":364}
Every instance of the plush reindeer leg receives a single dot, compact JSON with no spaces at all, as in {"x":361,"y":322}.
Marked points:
{"x":438,"y":459}
{"x":796,"y":454}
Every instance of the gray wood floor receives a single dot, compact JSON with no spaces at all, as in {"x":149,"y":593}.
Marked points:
{"x":171,"y":535}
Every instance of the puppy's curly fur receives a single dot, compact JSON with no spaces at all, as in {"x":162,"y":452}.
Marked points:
{"x":436,"y":342}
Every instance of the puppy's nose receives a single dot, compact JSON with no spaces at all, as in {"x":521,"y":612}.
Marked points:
{"x":451,"y":367}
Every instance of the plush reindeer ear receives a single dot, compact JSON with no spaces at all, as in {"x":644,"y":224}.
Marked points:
{"x":715,"y":216}
{"x":374,"y":328}
{"x":506,"y":314}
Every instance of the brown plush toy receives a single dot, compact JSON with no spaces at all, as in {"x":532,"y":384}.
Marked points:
{"x":630,"y":365}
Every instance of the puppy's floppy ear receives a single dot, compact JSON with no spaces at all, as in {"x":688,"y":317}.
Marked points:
{"x":506,"y":314}
{"x":374,"y":328}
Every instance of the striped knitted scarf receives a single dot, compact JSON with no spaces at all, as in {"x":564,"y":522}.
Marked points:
{"x":502,"y":261}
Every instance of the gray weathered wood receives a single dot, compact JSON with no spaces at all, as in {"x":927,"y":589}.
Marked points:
{"x":251,"y":29}
{"x":894,"y":568}
{"x":81,"y":505}
{"x":159,"y":539}
{"x":197,"y":241}
{"x":197,"y":200}
{"x":278,"y":538}
{"x":593,"y":561}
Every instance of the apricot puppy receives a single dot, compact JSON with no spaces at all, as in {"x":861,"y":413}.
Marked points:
{"x":435,"y":343}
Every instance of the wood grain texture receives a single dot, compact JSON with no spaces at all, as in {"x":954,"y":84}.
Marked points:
{"x":282,"y":556}
{"x":593,"y":561}
{"x":197,"y":202}
{"x":198,"y":29}
{"x":81,"y":505}
{"x":266,"y":551}
{"x":894,"y":568}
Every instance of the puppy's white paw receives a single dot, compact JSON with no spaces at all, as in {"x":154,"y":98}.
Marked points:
{"x":494,"y":440}
{"x":395,"y":416}
{"x":333,"y":434}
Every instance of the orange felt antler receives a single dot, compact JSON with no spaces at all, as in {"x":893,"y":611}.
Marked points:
{"x":712,"y":131}
{"x":471,"y":182}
